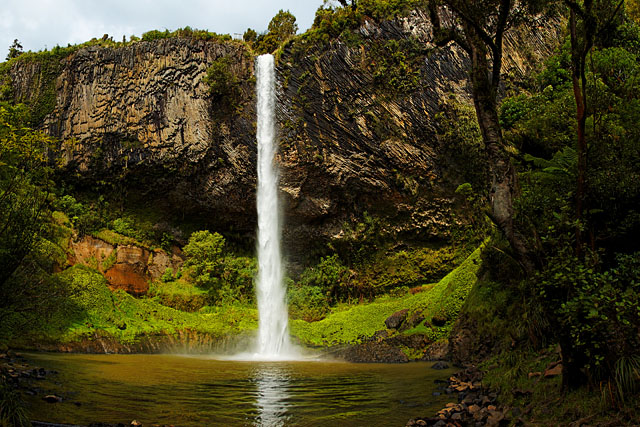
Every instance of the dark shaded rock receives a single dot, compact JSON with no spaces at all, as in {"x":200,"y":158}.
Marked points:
{"x":381,"y":334}
{"x":439,"y":320}
{"x":395,"y":320}
{"x":414,"y":341}
{"x":440,"y":365}
{"x":437,"y":351}
{"x":373,"y":352}
{"x":52,"y":398}
{"x":465,"y":344}
{"x":412,"y":321}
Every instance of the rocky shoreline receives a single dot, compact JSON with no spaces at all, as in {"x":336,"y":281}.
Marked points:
{"x":475,"y":405}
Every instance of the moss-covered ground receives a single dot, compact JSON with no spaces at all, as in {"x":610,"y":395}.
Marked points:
{"x":351,"y":324}
{"x":93,"y":309}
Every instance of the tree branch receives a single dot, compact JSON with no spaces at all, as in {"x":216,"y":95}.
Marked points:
{"x":574,"y":6}
{"x":486,"y":38}
{"x":443,"y":36}
{"x":496,"y":49}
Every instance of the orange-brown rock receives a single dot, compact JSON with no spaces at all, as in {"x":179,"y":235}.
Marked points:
{"x":91,"y":252}
{"x":132,"y":255}
{"x":129,"y":278}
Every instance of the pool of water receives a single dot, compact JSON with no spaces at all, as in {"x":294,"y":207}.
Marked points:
{"x":201,"y":391}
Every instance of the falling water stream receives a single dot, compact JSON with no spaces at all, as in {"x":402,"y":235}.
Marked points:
{"x":273,"y":334}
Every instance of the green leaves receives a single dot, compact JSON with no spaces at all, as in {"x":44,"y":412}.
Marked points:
{"x":225,"y":276}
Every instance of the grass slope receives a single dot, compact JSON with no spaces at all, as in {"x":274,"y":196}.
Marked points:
{"x":353,"y":324}
{"x":93,"y":309}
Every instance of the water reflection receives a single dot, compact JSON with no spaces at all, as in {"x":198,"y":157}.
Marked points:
{"x":272,"y":382}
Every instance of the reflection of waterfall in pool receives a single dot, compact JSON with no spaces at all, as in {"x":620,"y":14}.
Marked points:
{"x":273,"y":393}
{"x":273,"y":331}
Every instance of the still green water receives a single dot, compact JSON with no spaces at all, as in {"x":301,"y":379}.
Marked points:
{"x":200,"y":391}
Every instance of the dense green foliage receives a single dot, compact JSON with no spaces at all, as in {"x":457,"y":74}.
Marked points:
{"x":583,"y":294}
{"x":224,"y":275}
{"x":349,"y":324}
{"x":223,"y":83}
{"x":186,"y":32}
{"x":281,"y":28}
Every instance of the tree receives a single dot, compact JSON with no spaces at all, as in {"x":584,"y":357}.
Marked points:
{"x":586,"y":20}
{"x":480,"y":34}
{"x":15,"y":50}
{"x":283,"y":25}
{"x":24,"y":188}
{"x":250,"y":35}
{"x":344,"y":3}
{"x":204,"y":256}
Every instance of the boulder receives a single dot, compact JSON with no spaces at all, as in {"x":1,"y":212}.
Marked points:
{"x":52,"y":398}
{"x":395,"y":320}
{"x":373,"y":352}
{"x":440,"y":365}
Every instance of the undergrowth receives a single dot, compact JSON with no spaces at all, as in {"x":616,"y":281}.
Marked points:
{"x":352,"y":324}
{"x":94,"y":309}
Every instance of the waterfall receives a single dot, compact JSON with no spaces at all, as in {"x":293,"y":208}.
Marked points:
{"x":273,"y":333}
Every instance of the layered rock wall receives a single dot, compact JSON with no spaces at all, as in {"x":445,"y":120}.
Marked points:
{"x":141,"y":116}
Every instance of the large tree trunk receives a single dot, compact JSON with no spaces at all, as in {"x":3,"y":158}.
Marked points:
{"x":503,"y":175}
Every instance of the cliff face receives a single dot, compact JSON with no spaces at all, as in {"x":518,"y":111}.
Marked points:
{"x":142,"y":117}
{"x":359,"y":125}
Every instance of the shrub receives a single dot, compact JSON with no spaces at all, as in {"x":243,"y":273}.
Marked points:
{"x":223,"y":83}
{"x":223,"y":275}
{"x":155,"y":35}
{"x":12,"y":408}
{"x":329,"y":275}
{"x":309,"y":303}
{"x":596,"y":310}
{"x":204,"y":257}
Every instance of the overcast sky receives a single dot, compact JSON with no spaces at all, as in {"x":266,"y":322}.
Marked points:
{"x":40,"y":24}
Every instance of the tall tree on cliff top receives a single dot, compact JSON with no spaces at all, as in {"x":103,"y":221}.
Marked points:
{"x":479,"y":27}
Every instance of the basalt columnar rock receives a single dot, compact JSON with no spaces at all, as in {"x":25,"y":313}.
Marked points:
{"x":357,"y":124}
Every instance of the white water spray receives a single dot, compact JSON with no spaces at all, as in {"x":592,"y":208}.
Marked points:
{"x":273,"y":333}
